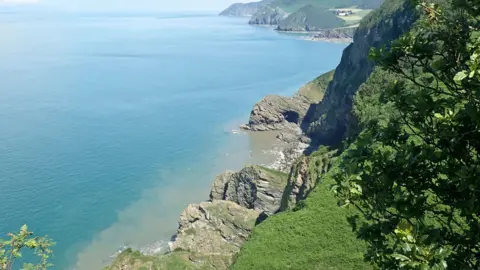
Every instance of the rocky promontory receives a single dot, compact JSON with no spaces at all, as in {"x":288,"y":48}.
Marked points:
{"x":278,"y":112}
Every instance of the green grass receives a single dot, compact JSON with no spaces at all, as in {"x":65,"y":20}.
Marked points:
{"x":279,"y":177}
{"x":356,"y":17}
{"x":315,"y":237}
{"x":315,"y":90}
{"x":291,"y":6}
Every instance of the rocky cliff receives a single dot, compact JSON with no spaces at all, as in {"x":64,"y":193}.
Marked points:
{"x":278,"y":112}
{"x":243,"y":9}
{"x":211,"y":233}
{"x":268,"y":15}
{"x":254,"y":187}
{"x":327,"y":122}
{"x":305,"y":174}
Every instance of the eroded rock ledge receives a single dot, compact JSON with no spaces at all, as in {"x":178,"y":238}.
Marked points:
{"x":254,"y":187}
{"x":275,"y":112}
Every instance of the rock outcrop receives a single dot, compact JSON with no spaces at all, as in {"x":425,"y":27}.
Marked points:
{"x":254,"y":187}
{"x":243,"y":9}
{"x":278,"y":112}
{"x":305,"y":174}
{"x":267,"y":15}
{"x":208,"y":237}
{"x":326,"y":123}
{"x":214,"y":228}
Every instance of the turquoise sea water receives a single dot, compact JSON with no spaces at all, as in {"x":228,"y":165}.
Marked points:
{"x":112,"y":124}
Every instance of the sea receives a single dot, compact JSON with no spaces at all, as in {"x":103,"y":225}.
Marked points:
{"x":111,"y":124}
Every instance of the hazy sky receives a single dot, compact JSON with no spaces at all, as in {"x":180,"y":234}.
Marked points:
{"x":138,"y":5}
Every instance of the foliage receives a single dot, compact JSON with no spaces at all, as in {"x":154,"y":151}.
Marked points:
{"x":385,"y":11}
{"x":11,"y":249}
{"x":414,"y":175}
{"x":317,"y":236}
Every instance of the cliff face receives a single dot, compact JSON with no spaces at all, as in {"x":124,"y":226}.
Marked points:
{"x":254,"y":187}
{"x":267,"y":15}
{"x":327,"y":122}
{"x":243,"y":9}
{"x":304,"y":176}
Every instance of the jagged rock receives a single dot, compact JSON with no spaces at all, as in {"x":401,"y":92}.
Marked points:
{"x":304,"y":176}
{"x":267,"y":15}
{"x":276,"y":112}
{"x":214,"y":228}
{"x":254,"y":187}
{"x":219,"y":185}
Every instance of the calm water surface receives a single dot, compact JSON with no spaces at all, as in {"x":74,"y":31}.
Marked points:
{"x":111,"y":125}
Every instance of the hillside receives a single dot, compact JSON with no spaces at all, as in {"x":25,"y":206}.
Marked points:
{"x":294,"y":5}
{"x":310,"y":18}
{"x":243,"y":9}
{"x":273,"y":12}
{"x":327,"y":122}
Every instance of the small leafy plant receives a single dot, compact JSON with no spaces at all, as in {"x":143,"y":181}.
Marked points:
{"x":11,"y":250}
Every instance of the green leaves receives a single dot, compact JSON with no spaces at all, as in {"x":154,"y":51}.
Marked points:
{"x":11,"y":250}
{"x":414,"y":172}
{"x":460,"y":76}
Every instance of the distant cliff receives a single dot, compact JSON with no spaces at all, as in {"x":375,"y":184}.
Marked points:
{"x":310,"y":18}
{"x":268,"y":15}
{"x":243,"y":9}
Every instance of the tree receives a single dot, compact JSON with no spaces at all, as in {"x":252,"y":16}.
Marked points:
{"x":11,"y":250}
{"x":415,"y":178}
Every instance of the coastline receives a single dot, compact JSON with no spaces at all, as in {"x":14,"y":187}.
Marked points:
{"x":260,"y":148}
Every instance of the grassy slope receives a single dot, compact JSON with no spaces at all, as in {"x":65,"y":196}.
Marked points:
{"x":317,"y":18}
{"x":314,"y":90}
{"x":294,"y":5}
{"x":315,"y":237}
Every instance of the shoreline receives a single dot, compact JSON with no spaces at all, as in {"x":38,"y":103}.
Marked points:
{"x":273,"y":157}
